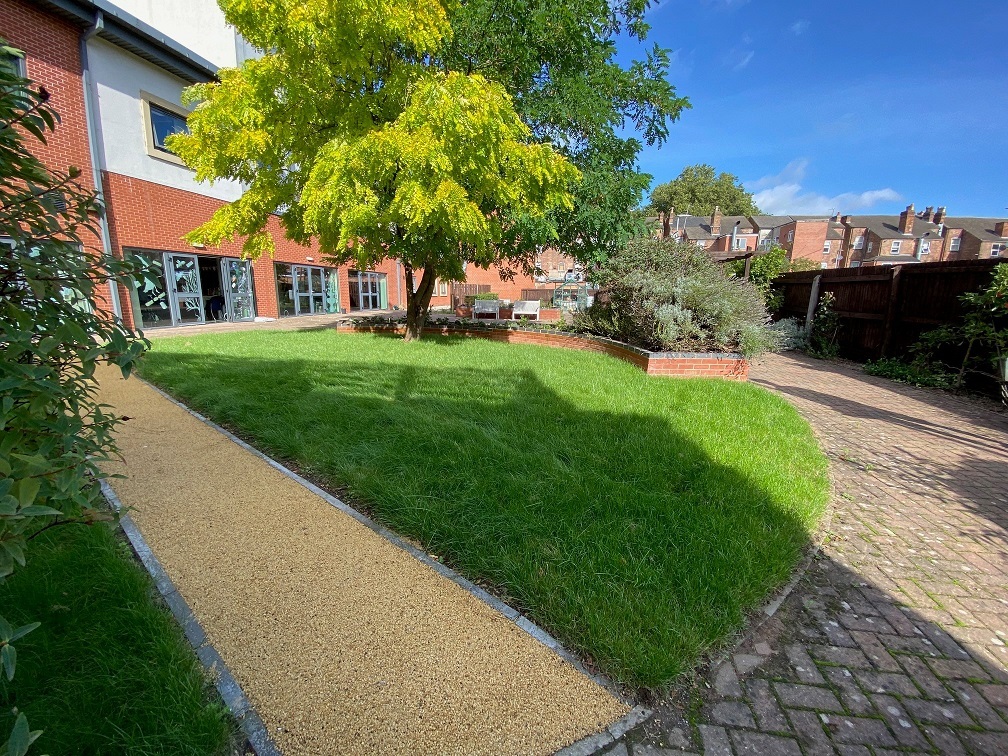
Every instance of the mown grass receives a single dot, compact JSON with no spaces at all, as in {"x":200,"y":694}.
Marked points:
{"x":636,"y":518}
{"x":108,"y":671}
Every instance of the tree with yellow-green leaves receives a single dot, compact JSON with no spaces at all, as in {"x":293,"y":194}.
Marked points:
{"x":352,"y":132}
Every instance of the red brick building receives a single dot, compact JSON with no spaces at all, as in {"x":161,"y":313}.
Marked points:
{"x":116,"y":82}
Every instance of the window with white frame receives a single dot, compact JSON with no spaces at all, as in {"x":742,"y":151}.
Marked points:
{"x":924,"y":247}
{"x":161,"y":120}
{"x":895,"y":249}
{"x":871,"y":245}
{"x":826,"y":247}
{"x":859,"y":241}
{"x":996,"y":249}
{"x":956,"y":241}
{"x":824,"y":265}
{"x":740,"y":243}
{"x":442,"y":288}
{"x":790,"y":235}
{"x":855,"y":263}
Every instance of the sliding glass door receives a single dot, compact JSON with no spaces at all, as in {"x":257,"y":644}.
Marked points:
{"x":306,"y":290}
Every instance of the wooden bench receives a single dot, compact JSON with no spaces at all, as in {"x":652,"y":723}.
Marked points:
{"x":486,"y":307}
{"x":526,"y":308}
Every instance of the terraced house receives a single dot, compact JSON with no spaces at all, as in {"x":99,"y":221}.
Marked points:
{"x":116,"y":72}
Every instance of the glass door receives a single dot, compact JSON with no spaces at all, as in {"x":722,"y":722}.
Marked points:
{"x":185,"y":289}
{"x":317,"y":291}
{"x":309,"y":290}
{"x":236,"y":276}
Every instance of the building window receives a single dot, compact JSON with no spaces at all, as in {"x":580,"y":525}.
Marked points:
{"x":790,"y":235}
{"x":824,"y":265}
{"x":855,"y":263}
{"x":895,"y":248}
{"x":997,"y":249}
{"x":859,"y":242}
{"x":871,"y":245}
{"x":161,"y":120}
{"x":740,"y":243}
{"x":924,"y":247}
{"x":12,"y":62}
{"x":956,"y":241}
{"x":826,"y":248}
{"x":443,"y":289}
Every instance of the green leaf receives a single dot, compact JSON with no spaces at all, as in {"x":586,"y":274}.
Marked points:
{"x":21,"y":738}
{"x":39,"y":510}
{"x":8,"y":655}
{"x":27,"y":490}
{"x":22,"y":631}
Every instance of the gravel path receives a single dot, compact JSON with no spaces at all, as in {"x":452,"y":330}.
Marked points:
{"x":343,"y":642}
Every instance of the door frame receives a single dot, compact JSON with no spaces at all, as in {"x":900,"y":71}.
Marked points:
{"x":173,"y":293}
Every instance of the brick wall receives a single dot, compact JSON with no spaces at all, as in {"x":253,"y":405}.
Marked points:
{"x":681,"y":365}
{"x":809,"y":238}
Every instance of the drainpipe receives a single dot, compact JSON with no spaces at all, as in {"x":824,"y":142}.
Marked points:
{"x":96,"y":155}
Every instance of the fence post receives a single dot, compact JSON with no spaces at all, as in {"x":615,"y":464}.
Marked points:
{"x":891,"y":311}
{"x":813,"y":300}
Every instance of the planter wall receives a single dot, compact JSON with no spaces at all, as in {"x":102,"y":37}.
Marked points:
{"x":678,"y":364}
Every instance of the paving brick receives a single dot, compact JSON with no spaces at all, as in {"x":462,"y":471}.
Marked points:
{"x":925,"y":678}
{"x":875,"y":651}
{"x":803,"y":665}
{"x":978,"y":708}
{"x":769,"y":716}
{"x":958,"y":669}
{"x":760,"y":744}
{"x":732,"y":713}
{"x":846,"y":657}
{"x":809,"y":729}
{"x":726,"y":681}
{"x":715,"y":741}
{"x":986,"y":743}
{"x":861,"y":730}
{"x":995,"y":694}
{"x":887,"y":682}
{"x":807,"y":697}
{"x":851,"y":694}
{"x":945,"y":740}
{"x":899,"y":721}
{"x":937,"y":713}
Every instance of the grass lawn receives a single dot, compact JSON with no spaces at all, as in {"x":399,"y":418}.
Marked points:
{"x":108,"y":671}
{"x":636,"y":518}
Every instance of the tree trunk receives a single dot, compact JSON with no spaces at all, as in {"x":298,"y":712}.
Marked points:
{"x":417,"y":302}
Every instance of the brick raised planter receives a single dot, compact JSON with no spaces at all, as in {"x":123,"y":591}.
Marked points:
{"x":679,"y":364}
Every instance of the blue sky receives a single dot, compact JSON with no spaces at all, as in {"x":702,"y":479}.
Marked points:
{"x":860,"y":106}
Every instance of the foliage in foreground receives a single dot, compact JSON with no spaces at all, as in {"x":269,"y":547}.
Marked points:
{"x":53,"y":432}
{"x":109,"y":671}
{"x":636,"y":518}
{"x":667,"y":296}
{"x":823,"y":335}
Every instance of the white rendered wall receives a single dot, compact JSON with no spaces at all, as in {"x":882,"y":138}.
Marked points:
{"x":119,"y":77}
{"x":196,"y":24}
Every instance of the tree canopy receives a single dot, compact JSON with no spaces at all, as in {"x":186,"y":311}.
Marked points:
{"x":353,"y":130}
{"x":557,"y":58}
{"x":698,"y":190}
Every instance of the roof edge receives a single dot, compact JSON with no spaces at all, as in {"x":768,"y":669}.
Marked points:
{"x":130,"y":33}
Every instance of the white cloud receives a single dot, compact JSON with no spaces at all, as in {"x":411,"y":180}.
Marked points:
{"x":783,"y":194}
{"x":799,"y":27}
{"x":737,"y":58}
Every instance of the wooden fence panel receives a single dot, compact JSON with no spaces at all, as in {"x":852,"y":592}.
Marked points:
{"x":459,"y":292}
{"x":884,"y":309}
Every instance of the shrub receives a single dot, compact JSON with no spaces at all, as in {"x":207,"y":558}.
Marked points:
{"x":666,"y":296}
{"x":916,"y":373}
{"x":822,"y":336}
{"x":764,"y":269}
{"x":791,"y":333}
{"x":54,"y":432}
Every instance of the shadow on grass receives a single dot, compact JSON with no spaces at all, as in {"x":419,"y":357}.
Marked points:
{"x":614,"y":529}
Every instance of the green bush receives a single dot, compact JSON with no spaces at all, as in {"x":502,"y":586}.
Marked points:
{"x":53,"y":431}
{"x":666,"y":296}
{"x":822,"y":336}
{"x":792,"y":334}
{"x":916,"y":373}
{"x":764,"y":269}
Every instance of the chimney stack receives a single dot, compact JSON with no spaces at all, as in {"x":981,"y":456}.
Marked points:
{"x":928,"y":214}
{"x":906,"y":220}
{"x":940,"y":215}
{"x":1001,"y":229}
{"x":846,"y":219}
{"x":715,"y":222}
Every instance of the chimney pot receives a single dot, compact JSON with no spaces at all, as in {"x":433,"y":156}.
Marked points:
{"x":940,"y":215}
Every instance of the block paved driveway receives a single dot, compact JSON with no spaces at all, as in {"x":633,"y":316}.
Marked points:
{"x":894,"y":640}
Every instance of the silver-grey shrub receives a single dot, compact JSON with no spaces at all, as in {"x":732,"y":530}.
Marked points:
{"x":666,"y":296}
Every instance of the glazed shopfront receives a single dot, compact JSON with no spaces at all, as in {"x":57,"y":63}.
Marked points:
{"x":187,"y":289}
